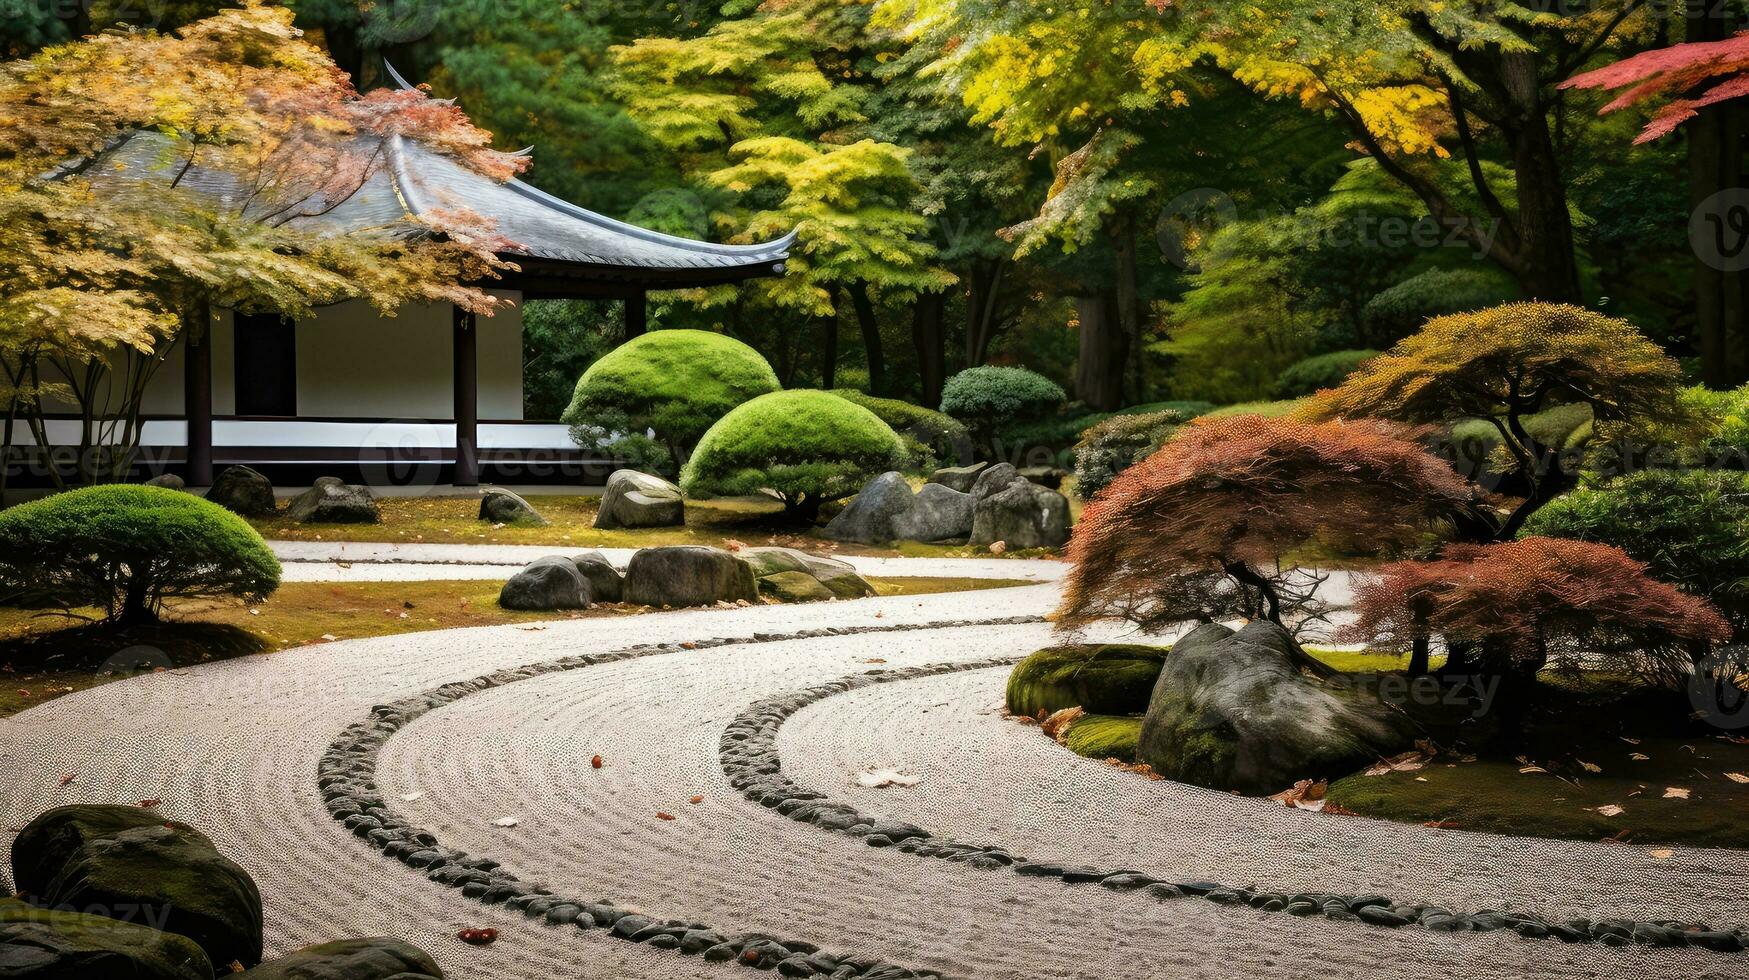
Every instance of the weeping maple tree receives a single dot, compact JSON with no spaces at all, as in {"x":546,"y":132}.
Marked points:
{"x":1536,"y":602}
{"x":1203,"y":529}
{"x":151,"y":178}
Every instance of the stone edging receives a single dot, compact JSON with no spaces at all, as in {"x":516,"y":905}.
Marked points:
{"x":750,"y":758}
{"x":346,"y":776}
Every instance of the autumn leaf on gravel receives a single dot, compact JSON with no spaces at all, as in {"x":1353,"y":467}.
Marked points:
{"x":1630,"y":741}
{"x":149,"y":804}
{"x":505,"y":822}
{"x":410,"y":797}
{"x":477,"y":937}
{"x":1639,"y":756}
{"x":1661,"y":854}
{"x":1610,"y":810}
{"x":882,"y":778}
{"x":595,"y":763}
{"x":1531,"y":770}
{"x":732,"y":545}
{"x":1676,"y":792}
{"x":695,"y":801}
{"x":1402,"y":762}
{"x":1304,"y":795}
{"x":1441,"y":824}
{"x":1589,"y":766}
{"x":664,"y":816}
{"x":1337,"y":809}
{"x":68,"y":777}
{"x":1058,"y":724}
{"x":1737,"y":777}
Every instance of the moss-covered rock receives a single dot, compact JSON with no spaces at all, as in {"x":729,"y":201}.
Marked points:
{"x":349,"y":959}
{"x":41,"y":944}
{"x":1109,"y":679}
{"x":1105,"y":737}
{"x":122,"y":857}
{"x":794,"y":587}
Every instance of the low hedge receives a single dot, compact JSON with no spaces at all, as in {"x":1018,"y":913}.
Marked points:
{"x":126,"y":549}
{"x":805,"y":447}
{"x":1108,"y":679}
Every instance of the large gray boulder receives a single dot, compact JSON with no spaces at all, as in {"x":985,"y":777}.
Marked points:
{"x":546,"y":584}
{"x":1241,"y":711}
{"x":349,"y":959}
{"x":128,"y":857}
{"x":868,"y":518}
{"x":330,"y":501}
{"x":938,"y":513}
{"x":605,"y":582}
{"x":1023,"y":514}
{"x":40,"y":944}
{"x":688,"y":575}
{"x":958,"y":478}
{"x":838,"y":578}
{"x":503,"y":507}
{"x":634,"y":499}
{"x":994,"y":479}
{"x":242,"y":490}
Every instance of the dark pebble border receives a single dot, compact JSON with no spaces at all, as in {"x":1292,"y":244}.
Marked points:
{"x":347,"y":778}
{"x":750,"y":759}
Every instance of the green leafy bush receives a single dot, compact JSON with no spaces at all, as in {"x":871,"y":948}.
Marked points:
{"x":990,"y":398}
{"x":1111,"y":679}
{"x":1113,"y":445}
{"x":676,"y":383}
{"x":931,"y":437}
{"x":126,"y":549}
{"x":1690,"y":526}
{"x":1322,"y":371}
{"x":1399,"y":311}
{"x":805,"y":447}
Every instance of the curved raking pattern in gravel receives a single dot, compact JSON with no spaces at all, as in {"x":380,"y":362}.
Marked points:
{"x":347,"y":779}
{"x":754,"y":766}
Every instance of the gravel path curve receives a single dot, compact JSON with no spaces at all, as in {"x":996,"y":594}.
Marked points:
{"x":232,"y":748}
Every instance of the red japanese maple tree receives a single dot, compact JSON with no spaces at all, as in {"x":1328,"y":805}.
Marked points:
{"x":1714,"y":71}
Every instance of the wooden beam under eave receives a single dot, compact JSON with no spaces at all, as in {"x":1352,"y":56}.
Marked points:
{"x":197,"y":399}
{"x":467,"y":400}
{"x":637,"y":314}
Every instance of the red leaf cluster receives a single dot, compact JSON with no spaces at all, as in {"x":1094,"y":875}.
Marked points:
{"x":1532,"y":599}
{"x":1162,"y":543}
{"x":1674,"y":71}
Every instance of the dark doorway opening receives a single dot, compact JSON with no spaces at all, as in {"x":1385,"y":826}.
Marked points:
{"x":267,"y":365}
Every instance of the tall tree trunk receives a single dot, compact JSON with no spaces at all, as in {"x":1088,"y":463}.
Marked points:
{"x":930,"y":340}
{"x":1128,"y":297}
{"x":1099,"y":371}
{"x":1715,"y":163}
{"x":871,"y":337}
{"x":1545,"y":266}
{"x":983,"y":305}
{"x":829,"y":345}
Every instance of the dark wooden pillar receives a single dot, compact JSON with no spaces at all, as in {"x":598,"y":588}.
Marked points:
{"x":467,"y":402}
{"x":637,"y":314}
{"x":197,"y":401}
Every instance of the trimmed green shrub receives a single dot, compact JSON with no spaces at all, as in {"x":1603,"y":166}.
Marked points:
{"x":126,"y":549}
{"x":1108,"y":679}
{"x":1105,"y":737}
{"x":674,"y":382}
{"x":1690,"y":526}
{"x":1313,"y":374}
{"x":1399,"y":311}
{"x":1115,"y":444}
{"x":930,"y":436}
{"x":990,"y":398}
{"x":804,"y":447}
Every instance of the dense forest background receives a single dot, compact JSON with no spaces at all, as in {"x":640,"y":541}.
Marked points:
{"x":1142,"y":200}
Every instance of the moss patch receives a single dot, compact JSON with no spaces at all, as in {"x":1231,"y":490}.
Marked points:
{"x":1111,"y":679}
{"x":1105,"y":737}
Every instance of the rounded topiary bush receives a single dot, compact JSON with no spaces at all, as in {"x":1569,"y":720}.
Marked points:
{"x":1115,"y":444}
{"x":1110,"y":679}
{"x":930,"y":436}
{"x":805,"y":447}
{"x":989,"y":398}
{"x":1314,"y":374}
{"x":126,"y":549}
{"x":677,"y":383}
{"x":1399,"y":311}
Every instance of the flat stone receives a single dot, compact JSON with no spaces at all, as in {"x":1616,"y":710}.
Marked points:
{"x":958,"y":478}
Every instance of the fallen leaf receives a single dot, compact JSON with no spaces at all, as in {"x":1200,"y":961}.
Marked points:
{"x":1737,"y":777}
{"x":1058,"y":724}
{"x":664,"y":816}
{"x":1304,"y":795}
{"x":695,"y":801}
{"x":874,"y":660}
{"x":1676,"y":793}
{"x":1662,"y":853}
{"x":1630,"y":741}
{"x":1639,"y":756}
{"x":1528,"y":770}
{"x":68,"y":777}
{"x":330,"y":637}
{"x":1610,"y":810}
{"x":149,"y":804}
{"x":1441,"y":824}
{"x":531,"y":629}
{"x":477,"y":937}
{"x":595,"y":763}
{"x":410,"y":797}
{"x":882,"y":778}
{"x":505,"y":822}
{"x":1402,"y":762}
{"x":1589,"y":766}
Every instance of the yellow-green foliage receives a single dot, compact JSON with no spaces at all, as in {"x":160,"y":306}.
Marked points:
{"x":1105,"y":737}
{"x":677,"y":382}
{"x":1111,"y":679}
{"x":804,"y":446}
